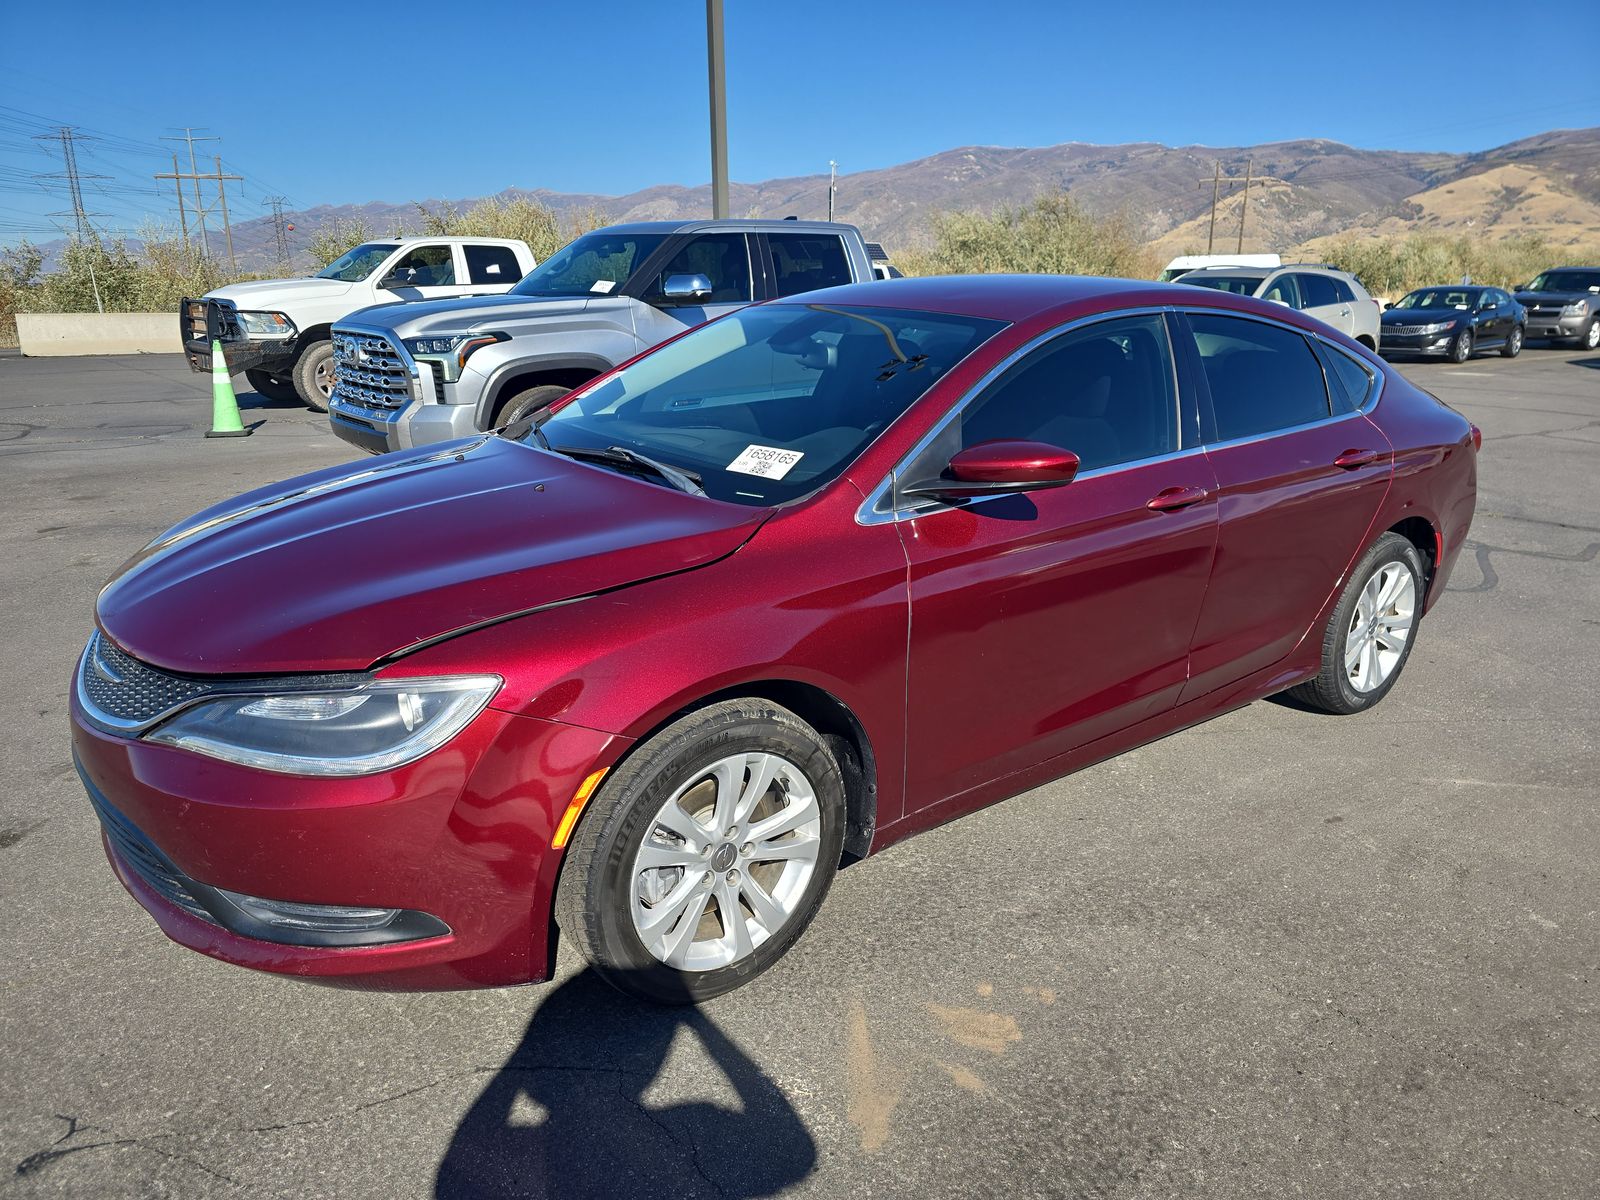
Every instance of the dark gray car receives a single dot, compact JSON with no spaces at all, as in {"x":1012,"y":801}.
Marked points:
{"x":1564,"y":305}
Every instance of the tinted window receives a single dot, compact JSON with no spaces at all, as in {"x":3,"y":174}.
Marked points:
{"x":1262,"y":377}
{"x":723,"y":258}
{"x":427,"y":266}
{"x":1342,"y":290}
{"x":802,"y":262}
{"x":1350,"y":381}
{"x":357,"y":264}
{"x":1239,"y":285}
{"x":1316,"y":291}
{"x":597,"y":263}
{"x":492,"y":264}
{"x":1104,"y":392}
{"x":1284,"y":289}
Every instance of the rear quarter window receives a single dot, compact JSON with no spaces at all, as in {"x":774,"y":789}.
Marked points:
{"x":492,"y":264}
{"x":803,"y":262}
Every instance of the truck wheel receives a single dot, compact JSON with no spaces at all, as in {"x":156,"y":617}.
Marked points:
{"x":527,"y":402}
{"x":270,"y":387}
{"x":313,"y":375}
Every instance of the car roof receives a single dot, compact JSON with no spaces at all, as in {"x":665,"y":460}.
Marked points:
{"x":997,"y":297}
{"x":757,"y":223}
{"x":1246,"y":272}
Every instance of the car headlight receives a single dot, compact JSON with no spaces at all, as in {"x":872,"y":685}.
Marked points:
{"x":353,"y":731}
{"x":1439,"y":327}
{"x":452,"y":349}
{"x":266,"y":324}
{"x":1575,"y":309}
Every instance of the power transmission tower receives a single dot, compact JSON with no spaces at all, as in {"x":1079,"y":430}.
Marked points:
{"x":1217,"y":182}
{"x":200,"y":208}
{"x":222,"y":200}
{"x":277,"y":203}
{"x":83,"y":228}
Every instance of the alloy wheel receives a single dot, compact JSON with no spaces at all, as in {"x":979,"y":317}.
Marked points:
{"x":1380,"y":626}
{"x":324,"y":378}
{"x":726,"y":862}
{"x":1591,"y":335}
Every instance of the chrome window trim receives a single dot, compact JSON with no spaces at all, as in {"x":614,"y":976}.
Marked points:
{"x":870,"y":511}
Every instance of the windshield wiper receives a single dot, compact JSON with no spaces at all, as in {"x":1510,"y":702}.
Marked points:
{"x":621,"y":456}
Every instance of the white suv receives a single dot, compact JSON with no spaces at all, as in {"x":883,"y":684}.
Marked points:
{"x":1332,"y":296}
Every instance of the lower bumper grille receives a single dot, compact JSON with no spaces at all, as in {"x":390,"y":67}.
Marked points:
{"x":139,"y":855}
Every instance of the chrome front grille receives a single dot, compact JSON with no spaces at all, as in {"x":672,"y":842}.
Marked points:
{"x":1407,"y":330}
{"x":369,"y":371}
{"x":140,"y":855}
{"x":124,"y":693}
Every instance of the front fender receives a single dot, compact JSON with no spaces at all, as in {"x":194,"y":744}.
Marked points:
{"x":492,"y":370}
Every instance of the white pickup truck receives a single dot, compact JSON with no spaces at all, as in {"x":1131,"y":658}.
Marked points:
{"x":275,"y":331}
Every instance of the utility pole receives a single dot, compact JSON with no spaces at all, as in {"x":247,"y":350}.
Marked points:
{"x":183,"y":215}
{"x":200,"y":208}
{"x":719,"y":110}
{"x":222,"y":199}
{"x":833,"y":185}
{"x":1218,"y":182}
{"x":277,"y":203}
{"x":1244,"y":204}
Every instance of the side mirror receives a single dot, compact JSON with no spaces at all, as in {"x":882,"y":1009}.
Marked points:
{"x":1387,"y":305}
{"x":686,"y":289}
{"x":394,"y":281}
{"x":999,"y":468}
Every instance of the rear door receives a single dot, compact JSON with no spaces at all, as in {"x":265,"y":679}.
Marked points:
{"x":1299,"y":481}
{"x":805,"y":261}
{"x":1320,"y":298}
{"x":490,"y":269}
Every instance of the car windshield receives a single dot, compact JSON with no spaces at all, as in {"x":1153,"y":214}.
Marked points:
{"x":1441,"y":298}
{"x":595,"y":264}
{"x":355,"y":265}
{"x":1566,"y":281}
{"x":768,"y":404}
{"x":1239,"y":285}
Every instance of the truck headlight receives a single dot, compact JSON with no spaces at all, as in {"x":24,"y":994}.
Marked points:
{"x":1575,"y":309}
{"x":355,"y":731}
{"x":266,"y":324}
{"x":452,"y":349}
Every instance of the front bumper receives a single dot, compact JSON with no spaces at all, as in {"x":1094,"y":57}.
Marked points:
{"x":462,"y":834}
{"x":1424,"y":344}
{"x":420,"y":423}
{"x":202,"y":322}
{"x":1557,"y":328}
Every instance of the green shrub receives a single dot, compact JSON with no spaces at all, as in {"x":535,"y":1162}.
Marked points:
{"x":1393,"y":266}
{"x":1052,"y":235}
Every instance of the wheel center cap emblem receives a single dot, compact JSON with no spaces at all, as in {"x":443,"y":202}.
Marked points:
{"x":723,"y":858}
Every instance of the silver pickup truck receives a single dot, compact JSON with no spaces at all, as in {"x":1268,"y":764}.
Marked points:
{"x":409,"y":375}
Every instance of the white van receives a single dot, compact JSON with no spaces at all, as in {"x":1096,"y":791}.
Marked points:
{"x":1193,"y":262}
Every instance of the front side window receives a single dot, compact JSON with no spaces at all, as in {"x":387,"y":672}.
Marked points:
{"x":1262,"y":377}
{"x":723,"y":258}
{"x":1285,"y":290}
{"x":771,"y":402}
{"x":596,"y":264}
{"x":355,"y":265}
{"x":803,"y":262}
{"x":426,"y":266}
{"x":1103,"y":391}
{"x":492,"y":264}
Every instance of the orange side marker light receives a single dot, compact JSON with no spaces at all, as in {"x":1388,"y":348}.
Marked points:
{"x":575,"y":809}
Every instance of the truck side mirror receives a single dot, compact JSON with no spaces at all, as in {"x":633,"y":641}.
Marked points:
{"x":686,"y":289}
{"x":393,"y":281}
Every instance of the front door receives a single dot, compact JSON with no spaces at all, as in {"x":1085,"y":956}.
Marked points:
{"x":1042,"y":621}
{"x":428,"y":272}
{"x":1297,"y":488}
{"x":723,"y":259}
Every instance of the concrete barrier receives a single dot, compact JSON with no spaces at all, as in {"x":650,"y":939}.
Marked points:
{"x":45,"y":334}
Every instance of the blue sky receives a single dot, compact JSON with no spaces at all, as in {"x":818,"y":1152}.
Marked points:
{"x":346,"y":102}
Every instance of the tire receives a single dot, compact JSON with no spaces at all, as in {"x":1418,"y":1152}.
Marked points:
{"x":1589,"y":339}
{"x":1513,"y":345}
{"x":1338,"y":688}
{"x":1461,"y":348}
{"x":527,"y":402}
{"x":313,"y":375}
{"x":606,"y":898}
{"x":271,"y":387}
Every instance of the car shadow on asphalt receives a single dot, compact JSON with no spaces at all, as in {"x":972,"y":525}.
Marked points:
{"x":567,"y":1114}
{"x":1592,"y":363}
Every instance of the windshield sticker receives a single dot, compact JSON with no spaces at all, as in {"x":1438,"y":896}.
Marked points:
{"x":766,"y":461}
{"x":603,"y":285}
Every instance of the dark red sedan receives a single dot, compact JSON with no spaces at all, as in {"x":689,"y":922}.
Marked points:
{"x":803,"y":582}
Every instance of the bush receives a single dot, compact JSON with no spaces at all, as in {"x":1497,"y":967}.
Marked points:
{"x":1393,"y":266}
{"x":524,"y":219}
{"x":340,"y":237}
{"x":1052,"y":235}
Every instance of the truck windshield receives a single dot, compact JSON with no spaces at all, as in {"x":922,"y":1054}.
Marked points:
{"x":355,"y":265}
{"x":1566,"y":281}
{"x":594,"y":265}
{"x":769,"y":403}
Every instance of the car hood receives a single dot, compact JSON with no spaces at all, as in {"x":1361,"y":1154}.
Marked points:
{"x":420,"y":319}
{"x":271,"y":293}
{"x":337,"y":570}
{"x":1556,"y":297}
{"x":1423,"y":316}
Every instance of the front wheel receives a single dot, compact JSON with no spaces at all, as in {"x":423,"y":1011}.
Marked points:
{"x":313,"y":375}
{"x":1513,"y":346}
{"x":1461,"y":348}
{"x":527,"y":402}
{"x":706,"y":853}
{"x":1589,"y":339}
{"x":271,"y":387}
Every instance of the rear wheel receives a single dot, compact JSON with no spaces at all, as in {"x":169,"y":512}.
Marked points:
{"x":1461,"y":348}
{"x":313,"y":375}
{"x":706,"y":853}
{"x":271,"y":387}
{"x":1513,"y":346}
{"x":1368,"y":639}
{"x":527,"y":402}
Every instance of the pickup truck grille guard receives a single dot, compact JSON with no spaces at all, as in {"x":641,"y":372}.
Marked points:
{"x":200,"y":322}
{"x":369,"y":370}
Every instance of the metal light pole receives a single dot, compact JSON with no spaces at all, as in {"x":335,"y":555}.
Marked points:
{"x":833,"y":185}
{"x":719,"y":110}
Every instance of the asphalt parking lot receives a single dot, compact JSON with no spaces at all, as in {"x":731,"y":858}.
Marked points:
{"x":1280,"y":954}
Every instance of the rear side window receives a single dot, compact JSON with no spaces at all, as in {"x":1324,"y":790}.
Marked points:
{"x":1317,"y":291}
{"x":1262,"y":377}
{"x":1345,"y":293}
{"x":803,"y":262}
{"x":1103,"y":391}
{"x":492,"y":264}
{"x":1349,"y":382}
